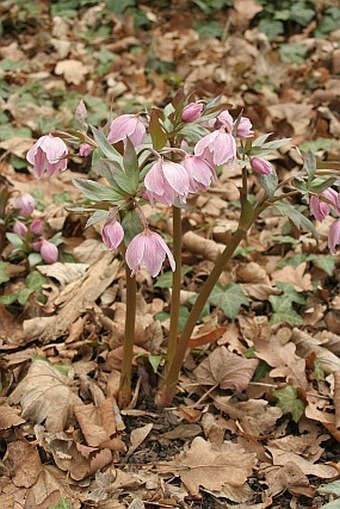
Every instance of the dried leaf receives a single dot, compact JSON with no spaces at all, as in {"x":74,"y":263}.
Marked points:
{"x":9,"y":417}
{"x":294,"y":275}
{"x":45,"y":393}
{"x":226,"y":369}
{"x":72,"y":70}
{"x":281,"y":457}
{"x":22,"y":462}
{"x":138,"y":436}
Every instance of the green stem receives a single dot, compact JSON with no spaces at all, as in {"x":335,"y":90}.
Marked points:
{"x":168,"y":389}
{"x":124,"y":395}
{"x":176,"y":285}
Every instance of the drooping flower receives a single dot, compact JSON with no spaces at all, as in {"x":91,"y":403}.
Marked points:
{"x":112,"y":234}
{"x":25,"y":204}
{"x":167,"y":181}
{"x":19,"y":228}
{"x":48,"y":154}
{"x":261,"y":166}
{"x":148,"y":249}
{"x":334,"y":236}
{"x":244,"y":128}
{"x":127,"y":126}
{"x":217,"y":147}
{"x":192,"y":112}
{"x":49,"y":252}
{"x":319,"y":208}
{"x":201,"y":173}
{"x":85,"y":150}
{"x":37,"y":226}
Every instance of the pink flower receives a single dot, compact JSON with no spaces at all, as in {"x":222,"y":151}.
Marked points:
{"x":319,"y":208}
{"x":261,"y":166}
{"x":49,"y":252}
{"x":25,"y":204}
{"x":334,"y":236}
{"x":226,"y":120}
{"x":112,"y":234}
{"x":217,"y":147}
{"x":148,"y":249}
{"x":244,"y":128}
{"x":127,"y":126}
{"x":201,"y":173}
{"x":48,"y":153}
{"x":167,"y":181}
{"x":37,"y":226}
{"x":192,"y":112}
{"x":19,"y":228}
{"x":85,"y":150}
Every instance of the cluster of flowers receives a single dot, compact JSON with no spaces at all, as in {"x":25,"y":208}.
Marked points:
{"x":321,"y":205}
{"x":32,"y":229}
{"x":167,"y":181}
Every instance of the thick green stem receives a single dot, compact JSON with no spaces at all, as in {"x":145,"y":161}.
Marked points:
{"x":124,"y":395}
{"x":176,"y":285}
{"x":168,"y":389}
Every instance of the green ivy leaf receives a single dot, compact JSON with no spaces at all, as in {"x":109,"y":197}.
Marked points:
{"x":330,"y":489}
{"x":293,"y":53}
{"x":62,"y":504}
{"x":165,"y":280}
{"x":229,"y":299}
{"x":35,"y":281}
{"x":289,"y":402}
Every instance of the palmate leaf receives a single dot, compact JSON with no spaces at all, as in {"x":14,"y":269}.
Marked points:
{"x":289,"y":402}
{"x":229,"y":299}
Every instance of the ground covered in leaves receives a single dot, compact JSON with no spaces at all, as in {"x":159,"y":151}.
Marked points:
{"x":256,"y":421}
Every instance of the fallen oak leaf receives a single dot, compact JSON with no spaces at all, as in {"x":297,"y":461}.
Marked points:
{"x":210,"y":467}
{"x":45,"y":393}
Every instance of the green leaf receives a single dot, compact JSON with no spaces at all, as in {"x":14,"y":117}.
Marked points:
{"x":318,"y":185}
{"x":289,"y":402}
{"x":183,"y":316}
{"x":8,"y":299}
{"x":165,"y":280}
{"x":290,"y":292}
{"x":283,"y":311}
{"x":97,"y":217}
{"x":269,"y":182}
{"x":324,"y":262}
{"x":97,"y":192}
{"x":284,"y":239}
{"x":293,"y":53}
{"x":35,"y":281}
{"x":333,"y":488}
{"x":294,"y":261}
{"x":300,"y":221}
{"x":155,"y":361}
{"x":317,"y":144}
{"x":335,"y":504}
{"x":229,"y":299}
{"x":3,"y":272}
{"x":309,"y":164}
{"x":271,"y":28}
{"x":158,"y":135}
{"x":119,"y":6}
{"x":15,"y":240}
{"x":34,"y":259}
{"x":23,"y":295}
{"x":132,"y":225}
{"x":62,"y":504}
{"x":130,"y":163}
{"x":105,"y":146}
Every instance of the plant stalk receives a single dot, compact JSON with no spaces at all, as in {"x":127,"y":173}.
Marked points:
{"x":168,"y":389}
{"x":176,"y":285}
{"x":124,"y":395}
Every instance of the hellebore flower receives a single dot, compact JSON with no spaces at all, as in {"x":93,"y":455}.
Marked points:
{"x":244,"y":128}
{"x":25,"y":204}
{"x":19,"y":228}
{"x":49,"y":252}
{"x":112,"y":234}
{"x":48,"y":153}
{"x":167,"y":181}
{"x":127,"y":126}
{"x":217,"y":147}
{"x":37,"y":226}
{"x":261,"y":166}
{"x":201,"y":173}
{"x":85,"y":150}
{"x":148,"y":249}
{"x":334,"y":236}
{"x":319,"y":208}
{"x":192,"y":112}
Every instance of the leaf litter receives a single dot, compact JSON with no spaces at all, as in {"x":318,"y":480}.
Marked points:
{"x":257,"y":420}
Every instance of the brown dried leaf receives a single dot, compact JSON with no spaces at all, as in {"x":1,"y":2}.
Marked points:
{"x":72,"y":70}
{"x":89,"y":420}
{"x":337,"y":398}
{"x":289,"y":477}
{"x":226,"y":369}
{"x":281,"y":457}
{"x":295,"y":276}
{"x":138,"y":436}
{"x":9,"y":417}
{"x":45,"y":393}
{"x":22,"y":463}
{"x":284,"y":359}
{"x":64,"y":273}
{"x":307,"y":344}
{"x":210,"y":467}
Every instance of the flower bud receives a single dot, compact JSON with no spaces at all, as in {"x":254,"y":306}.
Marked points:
{"x":25,"y":204}
{"x":19,"y":228}
{"x":261,"y":166}
{"x":85,"y":150}
{"x":192,"y":112}
{"x":334,"y":236}
{"x":112,"y":234}
{"x":37,"y":226}
{"x":49,"y":252}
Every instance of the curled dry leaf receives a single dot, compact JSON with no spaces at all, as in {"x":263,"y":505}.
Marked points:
{"x":138,"y":436}
{"x":9,"y":417}
{"x":64,"y":272}
{"x":306,"y":344}
{"x":45,"y":393}
{"x":209,"y":249}
{"x":226,"y":369}
{"x":210,"y":467}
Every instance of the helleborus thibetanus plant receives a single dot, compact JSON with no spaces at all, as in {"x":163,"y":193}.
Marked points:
{"x":167,"y":156}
